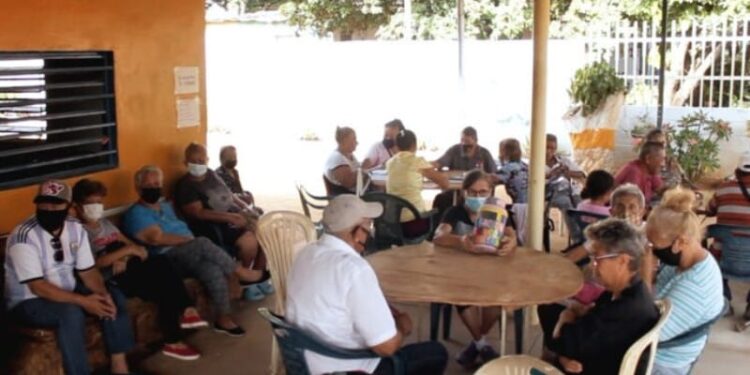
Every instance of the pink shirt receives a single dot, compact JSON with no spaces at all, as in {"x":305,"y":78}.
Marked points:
{"x":636,"y":173}
{"x":587,"y":206}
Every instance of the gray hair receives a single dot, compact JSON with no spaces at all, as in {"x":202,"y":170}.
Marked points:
{"x":141,"y":174}
{"x":619,"y":237}
{"x":627,"y":190}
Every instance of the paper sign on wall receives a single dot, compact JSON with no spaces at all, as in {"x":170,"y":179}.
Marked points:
{"x":186,"y":80}
{"x":188,"y":112}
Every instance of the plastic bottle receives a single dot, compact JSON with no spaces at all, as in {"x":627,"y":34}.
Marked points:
{"x":490,"y":225}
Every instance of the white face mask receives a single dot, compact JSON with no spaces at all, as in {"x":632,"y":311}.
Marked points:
{"x":93,"y":211}
{"x":197,"y":170}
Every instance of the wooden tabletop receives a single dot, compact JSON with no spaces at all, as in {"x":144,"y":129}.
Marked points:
{"x":428,"y":273}
{"x":378,"y":179}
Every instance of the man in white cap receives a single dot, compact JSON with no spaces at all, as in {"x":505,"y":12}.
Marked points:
{"x":731,"y":205}
{"x":333,"y":293}
{"x":44,"y":255}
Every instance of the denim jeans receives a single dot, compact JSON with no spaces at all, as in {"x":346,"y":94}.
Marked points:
{"x":427,"y":358}
{"x":69,"y":322}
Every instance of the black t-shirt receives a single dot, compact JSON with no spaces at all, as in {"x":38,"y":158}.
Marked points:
{"x":212,"y":192}
{"x":458,"y":218}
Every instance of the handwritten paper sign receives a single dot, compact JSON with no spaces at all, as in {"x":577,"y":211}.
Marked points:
{"x":188,"y":112}
{"x":186,"y":80}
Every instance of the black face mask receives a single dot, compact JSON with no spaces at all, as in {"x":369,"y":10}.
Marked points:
{"x":388,"y":143}
{"x":151,"y":195}
{"x":666,"y":256}
{"x":51,"y":221}
{"x":230,"y":164}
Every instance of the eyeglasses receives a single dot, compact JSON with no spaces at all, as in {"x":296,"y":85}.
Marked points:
{"x":478,"y":193}
{"x":369,"y":229}
{"x":595,"y":260}
{"x":59,"y":255}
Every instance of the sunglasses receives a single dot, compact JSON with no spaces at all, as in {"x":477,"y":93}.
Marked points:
{"x":59,"y":255}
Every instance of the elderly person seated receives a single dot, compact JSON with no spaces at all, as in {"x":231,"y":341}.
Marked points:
{"x":382,"y":151}
{"x":209,"y":206}
{"x":513,"y":172}
{"x":333,"y":293}
{"x":455,"y":230}
{"x":152,"y":278}
{"x":690,"y":278}
{"x":51,"y":281}
{"x":153,"y":223}
{"x":231,"y":177}
{"x":406,"y":171}
{"x":593,"y":339}
{"x":645,"y":172}
{"x":731,"y":205}
{"x":563,"y":176}
{"x":342,"y":167}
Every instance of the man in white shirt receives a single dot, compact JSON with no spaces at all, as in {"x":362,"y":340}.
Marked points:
{"x":382,"y":151}
{"x":43,"y":257}
{"x":333,"y":293}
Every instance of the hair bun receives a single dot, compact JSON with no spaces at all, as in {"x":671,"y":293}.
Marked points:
{"x":678,"y":199}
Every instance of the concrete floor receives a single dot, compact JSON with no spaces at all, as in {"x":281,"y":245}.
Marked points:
{"x":728,"y":351}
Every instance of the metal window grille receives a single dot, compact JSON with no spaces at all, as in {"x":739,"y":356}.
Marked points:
{"x":57,"y":115}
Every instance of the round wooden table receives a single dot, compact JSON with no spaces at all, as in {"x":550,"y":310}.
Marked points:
{"x":429,"y":273}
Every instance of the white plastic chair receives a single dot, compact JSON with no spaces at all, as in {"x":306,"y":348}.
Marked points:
{"x":650,"y":340}
{"x":282,"y":234}
{"x":517,"y":365}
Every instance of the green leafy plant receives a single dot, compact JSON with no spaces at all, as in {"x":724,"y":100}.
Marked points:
{"x":593,"y":84}
{"x":694,"y":142}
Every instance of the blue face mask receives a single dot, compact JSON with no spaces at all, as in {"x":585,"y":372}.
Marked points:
{"x":475,"y":203}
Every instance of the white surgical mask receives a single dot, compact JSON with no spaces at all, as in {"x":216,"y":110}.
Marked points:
{"x":93,"y":211}
{"x":197,"y":170}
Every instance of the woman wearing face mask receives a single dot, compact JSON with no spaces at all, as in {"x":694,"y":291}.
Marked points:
{"x":151,"y":278}
{"x":690,"y":278}
{"x":455,"y":231}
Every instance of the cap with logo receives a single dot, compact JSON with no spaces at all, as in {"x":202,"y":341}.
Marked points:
{"x":347,"y":210}
{"x":53,"y":191}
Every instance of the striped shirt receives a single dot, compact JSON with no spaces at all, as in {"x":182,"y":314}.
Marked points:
{"x":29,"y":256}
{"x":696,"y":297}
{"x":732,"y":207}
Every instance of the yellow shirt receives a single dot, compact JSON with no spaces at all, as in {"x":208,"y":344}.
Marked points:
{"x":405,"y":180}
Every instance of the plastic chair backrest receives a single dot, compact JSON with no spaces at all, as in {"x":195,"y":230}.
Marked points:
{"x":735,"y":249}
{"x":311,"y":201}
{"x":293,"y":343}
{"x":388,"y":230}
{"x":584,"y":218}
{"x":649,"y":342}
{"x":333,"y":190}
{"x":282,"y":234}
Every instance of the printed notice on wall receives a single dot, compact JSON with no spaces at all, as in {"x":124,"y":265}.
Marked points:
{"x":188,"y":112}
{"x":186,"y":80}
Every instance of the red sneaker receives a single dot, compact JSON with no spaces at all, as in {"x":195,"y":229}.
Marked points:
{"x":180,"y":351}
{"x":192,"y":321}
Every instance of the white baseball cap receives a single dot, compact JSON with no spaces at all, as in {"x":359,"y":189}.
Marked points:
{"x":744,"y":164}
{"x":347,"y":210}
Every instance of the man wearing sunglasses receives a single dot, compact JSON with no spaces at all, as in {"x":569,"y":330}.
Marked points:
{"x":52,"y":282}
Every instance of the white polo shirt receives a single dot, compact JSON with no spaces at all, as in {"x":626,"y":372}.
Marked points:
{"x":333,"y":293}
{"x":29,"y":256}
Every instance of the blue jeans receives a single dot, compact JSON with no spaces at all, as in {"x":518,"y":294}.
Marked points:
{"x":426,"y":358}
{"x":69,"y":322}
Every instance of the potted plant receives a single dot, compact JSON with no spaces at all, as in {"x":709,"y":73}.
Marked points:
{"x":694,"y":143}
{"x":592,"y":85}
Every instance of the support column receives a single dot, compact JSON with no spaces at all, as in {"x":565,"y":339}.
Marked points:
{"x":538,"y":125}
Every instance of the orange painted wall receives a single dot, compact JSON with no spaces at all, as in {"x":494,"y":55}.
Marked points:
{"x":149,"y":38}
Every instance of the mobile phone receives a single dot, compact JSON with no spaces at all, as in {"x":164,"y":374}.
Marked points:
{"x":536,"y":371}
